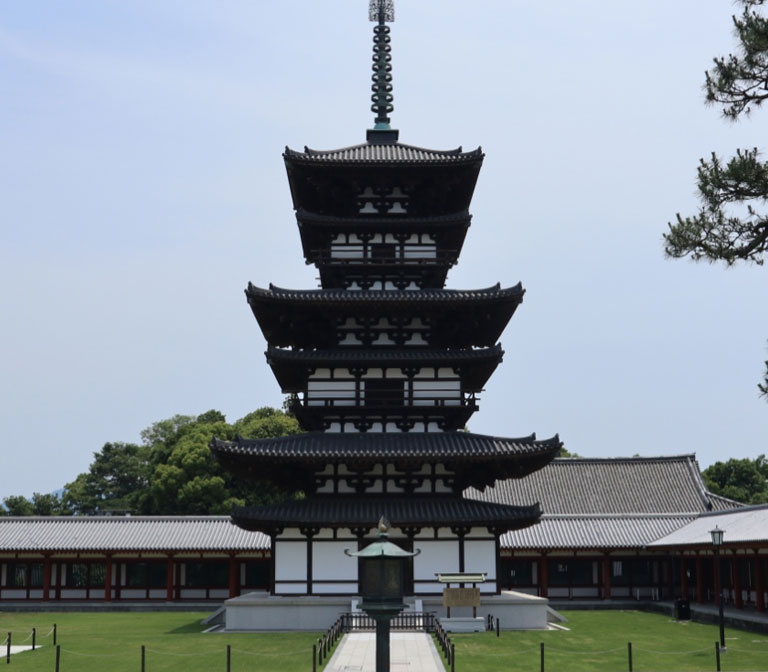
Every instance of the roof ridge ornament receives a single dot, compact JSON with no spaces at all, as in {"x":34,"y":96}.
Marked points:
{"x":382,"y":12}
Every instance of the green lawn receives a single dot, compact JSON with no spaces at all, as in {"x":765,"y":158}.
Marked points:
{"x":596,"y":641}
{"x":111,"y":642}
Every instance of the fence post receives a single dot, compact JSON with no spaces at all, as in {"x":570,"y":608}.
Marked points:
{"x":314,"y":658}
{"x":34,"y":637}
{"x":8,"y":650}
{"x":629,"y":654}
{"x":54,"y":634}
{"x":542,"y":657}
{"x":229,"y":658}
{"x":58,"y":657}
{"x":717,"y":655}
{"x":143,"y":658}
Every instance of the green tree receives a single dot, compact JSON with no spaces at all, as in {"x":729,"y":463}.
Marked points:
{"x":744,"y":480}
{"x":731,"y":225}
{"x":18,"y":505}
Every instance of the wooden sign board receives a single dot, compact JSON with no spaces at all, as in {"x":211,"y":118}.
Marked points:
{"x":461,"y":597}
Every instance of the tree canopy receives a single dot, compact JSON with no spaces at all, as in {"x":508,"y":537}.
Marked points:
{"x":743,"y":480}
{"x":732,"y":225}
{"x":170,"y":472}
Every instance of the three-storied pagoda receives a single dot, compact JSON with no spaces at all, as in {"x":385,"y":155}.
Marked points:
{"x":383,"y":365}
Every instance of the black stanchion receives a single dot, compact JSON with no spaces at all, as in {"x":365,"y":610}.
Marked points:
{"x":629,"y":655}
{"x":717,"y":655}
{"x":453,"y":657}
{"x":8,"y":650}
{"x":54,"y":634}
{"x":143,"y":658}
{"x":497,"y":627}
{"x":58,"y":657}
{"x":314,"y":658}
{"x":229,"y":658}
{"x":34,"y":637}
{"x":542,"y":657}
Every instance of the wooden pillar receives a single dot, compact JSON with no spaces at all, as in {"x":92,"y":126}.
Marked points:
{"x":699,"y":579}
{"x":108,"y":579}
{"x":47,"y":578}
{"x":736,"y":581}
{"x":169,"y":580}
{"x":234,"y":576}
{"x":759,"y":584}
{"x":683,"y":578}
{"x":543,"y":576}
{"x":606,"y":577}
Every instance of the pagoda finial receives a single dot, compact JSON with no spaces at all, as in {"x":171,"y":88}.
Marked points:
{"x":382,"y":12}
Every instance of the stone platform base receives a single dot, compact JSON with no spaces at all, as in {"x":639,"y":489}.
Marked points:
{"x":262,"y":612}
{"x":463,"y":624}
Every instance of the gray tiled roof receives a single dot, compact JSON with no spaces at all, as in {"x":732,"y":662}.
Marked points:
{"x":347,"y":296}
{"x":556,"y":532}
{"x":746,"y":525}
{"x":610,"y":485}
{"x":126,"y":533}
{"x":387,"y":153}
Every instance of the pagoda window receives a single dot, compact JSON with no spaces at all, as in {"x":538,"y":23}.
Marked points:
{"x":367,"y":202}
{"x":331,"y":393}
{"x":384,"y":392}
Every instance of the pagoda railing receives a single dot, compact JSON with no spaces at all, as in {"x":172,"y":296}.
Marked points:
{"x":426,"y":398}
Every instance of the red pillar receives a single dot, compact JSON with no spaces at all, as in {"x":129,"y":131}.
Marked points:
{"x":234,"y":576}
{"x":683,"y":578}
{"x":169,"y":580}
{"x":47,"y":578}
{"x":736,"y":582}
{"x":699,"y":580}
{"x":759,"y":584}
{"x":606,"y":577}
{"x":108,"y":579}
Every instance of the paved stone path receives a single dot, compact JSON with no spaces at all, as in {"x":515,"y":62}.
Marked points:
{"x":409,"y":652}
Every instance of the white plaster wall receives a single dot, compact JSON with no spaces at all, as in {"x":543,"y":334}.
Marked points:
{"x":436,"y":556}
{"x":291,"y":588}
{"x":334,"y":588}
{"x":329,"y":562}
{"x":480,"y":556}
{"x":290,"y":561}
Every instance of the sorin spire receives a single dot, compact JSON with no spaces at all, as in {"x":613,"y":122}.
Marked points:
{"x":382,"y":11}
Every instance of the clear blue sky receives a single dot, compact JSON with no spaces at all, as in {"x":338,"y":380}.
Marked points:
{"x":142,"y":187}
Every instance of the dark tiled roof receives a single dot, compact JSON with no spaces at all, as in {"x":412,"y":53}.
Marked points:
{"x":383,"y":355}
{"x":559,"y":532}
{"x":746,"y":525}
{"x":401,"y":511}
{"x":617,"y":485}
{"x":389,"y":153}
{"x":355,"y":297}
{"x":408,"y":446}
{"x":126,"y":533}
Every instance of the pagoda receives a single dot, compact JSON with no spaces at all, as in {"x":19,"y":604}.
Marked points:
{"x":383,"y":366}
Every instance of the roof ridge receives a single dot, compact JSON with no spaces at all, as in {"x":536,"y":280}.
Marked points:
{"x":634,"y":458}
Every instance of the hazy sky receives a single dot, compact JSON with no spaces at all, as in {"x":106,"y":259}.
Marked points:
{"x":142,"y":186}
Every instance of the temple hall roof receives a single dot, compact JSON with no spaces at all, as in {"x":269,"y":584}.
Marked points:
{"x":611,"y":486}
